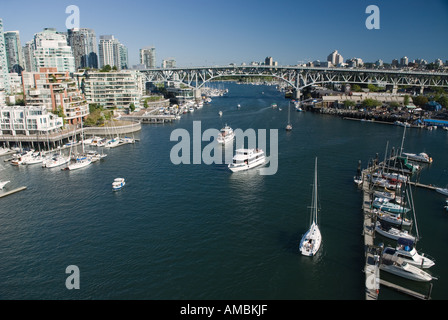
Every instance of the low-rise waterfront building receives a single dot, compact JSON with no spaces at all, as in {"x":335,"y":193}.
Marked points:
{"x":112,"y":89}
{"x":28,"y":120}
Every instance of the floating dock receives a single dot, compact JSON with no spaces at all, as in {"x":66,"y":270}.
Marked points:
{"x":407,"y":291}
{"x":12,"y":192}
{"x":421,"y":185}
{"x":372,"y":252}
{"x":368,"y":232}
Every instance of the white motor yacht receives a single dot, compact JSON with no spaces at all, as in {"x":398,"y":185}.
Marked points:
{"x":4,"y":151}
{"x":245,"y":159}
{"x":422,"y":157}
{"x":21,"y":157}
{"x":400,"y":267}
{"x":3,"y":184}
{"x":443,"y":191}
{"x":118,"y":184}
{"x":406,"y":250}
{"x":225,"y":135}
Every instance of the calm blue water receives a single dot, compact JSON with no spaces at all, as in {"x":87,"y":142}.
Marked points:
{"x":198,"y":231}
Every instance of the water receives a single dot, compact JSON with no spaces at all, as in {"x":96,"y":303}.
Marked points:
{"x":198,"y":231}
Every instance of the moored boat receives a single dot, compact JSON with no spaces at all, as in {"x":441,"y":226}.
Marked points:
{"x":390,"y":232}
{"x":399,"y":267}
{"x":393,"y":218}
{"x":385,"y":205}
{"x":80,"y":162}
{"x":3,"y":184}
{"x":422,"y":157}
{"x":406,"y":250}
{"x":443,"y":191}
{"x":55,"y":161}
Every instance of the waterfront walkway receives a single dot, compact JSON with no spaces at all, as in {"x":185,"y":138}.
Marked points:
{"x":112,"y":128}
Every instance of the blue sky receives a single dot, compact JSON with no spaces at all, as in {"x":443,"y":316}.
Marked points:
{"x":211,"y":32}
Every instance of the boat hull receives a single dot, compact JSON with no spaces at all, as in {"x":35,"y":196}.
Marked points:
{"x":243,"y":167}
{"x":416,"y":274}
{"x":393,"y":233}
{"x":310,"y":242}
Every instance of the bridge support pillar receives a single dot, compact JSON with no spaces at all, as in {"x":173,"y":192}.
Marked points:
{"x":395,"y":89}
{"x":296,"y":94}
{"x":197,"y":94}
{"x":422,"y":89}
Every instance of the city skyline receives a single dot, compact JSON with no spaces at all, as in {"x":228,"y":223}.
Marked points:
{"x":198,"y":33}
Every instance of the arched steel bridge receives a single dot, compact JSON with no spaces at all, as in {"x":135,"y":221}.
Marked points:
{"x":300,"y":77}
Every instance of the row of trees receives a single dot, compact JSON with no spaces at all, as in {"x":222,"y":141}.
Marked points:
{"x":419,"y":101}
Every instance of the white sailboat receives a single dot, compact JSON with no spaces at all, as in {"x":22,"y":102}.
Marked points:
{"x":311,"y":240}
{"x":289,"y":125}
{"x":81,"y":160}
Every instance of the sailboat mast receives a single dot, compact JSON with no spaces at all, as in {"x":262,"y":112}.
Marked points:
{"x":385,"y":157}
{"x":411,"y":202}
{"x":315,"y":192}
{"x":402,"y":140}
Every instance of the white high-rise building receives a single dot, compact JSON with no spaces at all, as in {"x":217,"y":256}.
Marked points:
{"x":148,"y":57}
{"x":52,"y":51}
{"x":4,"y":77}
{"x":111,"y":52}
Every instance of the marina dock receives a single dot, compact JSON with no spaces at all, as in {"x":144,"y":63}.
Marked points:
{"x":421,"y":185}
{"x":373,"y":252}
{"x":370,"y":269}
{"x":407,"y":291}
{"x":2,"y":195}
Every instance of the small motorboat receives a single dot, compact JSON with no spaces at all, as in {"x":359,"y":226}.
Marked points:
{"x":3,"y":184}
{"x":118,"y":184}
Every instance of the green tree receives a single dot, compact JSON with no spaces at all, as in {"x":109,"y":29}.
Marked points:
{"x":356,"y":88}
{"x":394,"y":104}
{"x":443,"y":100}
{"x":106,"y":68}
{"x":132,"y":107}
{"x":406,"y":100}
{"x":349,"y":103}
{"x":420,"y":101}
{"x":370,"y":103}
{"x":372,"y":87}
